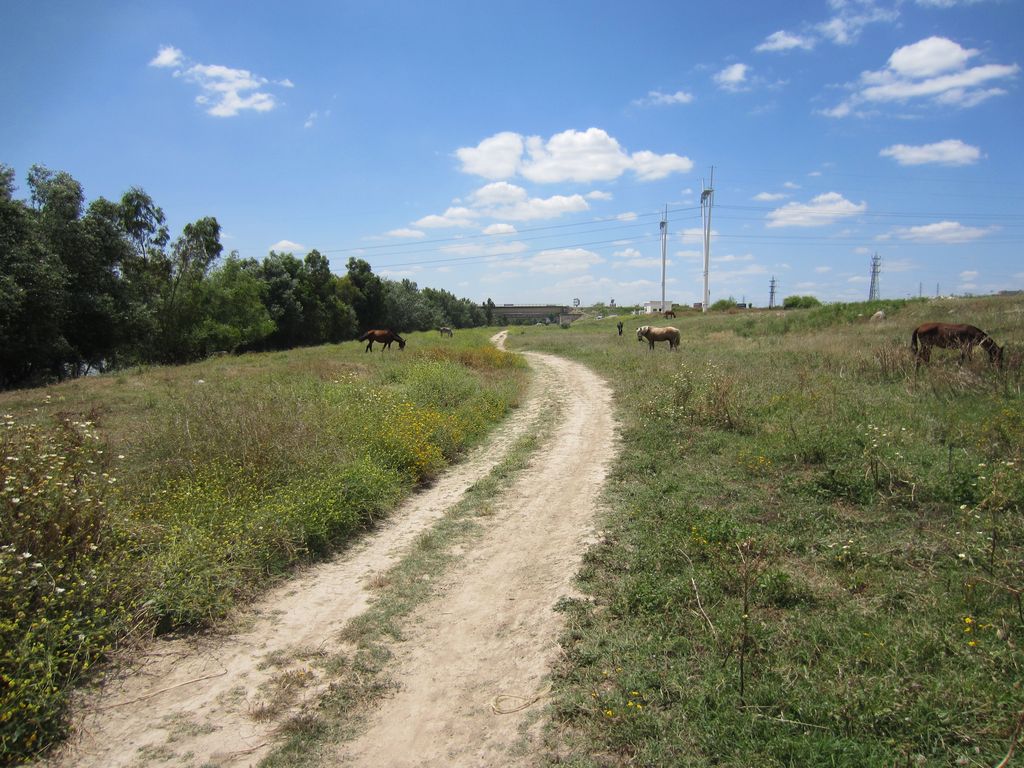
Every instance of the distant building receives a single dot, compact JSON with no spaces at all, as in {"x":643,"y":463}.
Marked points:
{"x":506,"y":314}
{"x":651,"y":307}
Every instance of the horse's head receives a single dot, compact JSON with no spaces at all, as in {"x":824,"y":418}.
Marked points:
{"x":995,"y":355}
{"x":401,"y":343}
{"x":641,"y":331}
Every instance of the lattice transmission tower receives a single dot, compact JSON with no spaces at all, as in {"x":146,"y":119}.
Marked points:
{"x":876,"y":268}
{"x":771,"y":293}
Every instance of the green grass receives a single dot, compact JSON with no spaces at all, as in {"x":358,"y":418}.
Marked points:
{"x":158,"y":499}
{"x":812,"y":553}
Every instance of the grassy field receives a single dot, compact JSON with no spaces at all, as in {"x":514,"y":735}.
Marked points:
{"x":813,"y":554}
{"x":157,"y":499}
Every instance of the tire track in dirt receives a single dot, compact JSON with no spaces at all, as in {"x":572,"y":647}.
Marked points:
{"x":197,"y":700}
{"x":492,"y":631}
{"x":472,"y":668}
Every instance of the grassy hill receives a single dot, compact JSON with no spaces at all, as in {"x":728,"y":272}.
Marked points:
{"x":812,"y":553}
{"x":157,"y":499}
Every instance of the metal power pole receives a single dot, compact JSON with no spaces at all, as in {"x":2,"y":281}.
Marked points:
{"x":664,"y":248}
{"x":707,"y":199}
{"x":876,"y":268}
{"x":771,"y":293}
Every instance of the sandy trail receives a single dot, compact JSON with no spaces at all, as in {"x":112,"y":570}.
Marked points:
{"x":487,"y":642}
{"x":201,"y":701}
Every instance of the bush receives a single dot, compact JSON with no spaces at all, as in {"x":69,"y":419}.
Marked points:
{"x":64,"y":591}
{"x":800,"y":302}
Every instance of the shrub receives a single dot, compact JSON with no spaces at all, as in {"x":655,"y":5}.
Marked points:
{"x":64,"y":592}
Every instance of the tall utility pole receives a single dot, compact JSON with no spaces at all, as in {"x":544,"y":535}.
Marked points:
{"x":771,"y":293}
{"x":876,"y":268}
{"x":707,"y":199}
{"x":664,"y":249}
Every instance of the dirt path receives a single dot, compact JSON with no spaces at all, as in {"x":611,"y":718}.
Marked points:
{"x":490,"y":633}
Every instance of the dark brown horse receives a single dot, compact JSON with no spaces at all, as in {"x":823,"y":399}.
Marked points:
{"x":670,"y":313}
{"x":384,"y":337}
{"x":953,"y":336}
{"x":653,"y":333}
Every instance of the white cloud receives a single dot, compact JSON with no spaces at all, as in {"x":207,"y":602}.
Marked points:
{"x":929,"y":57}
{"x":496,"y":157}
{"x":626,"y":216}
{"x":563,"y":261}
{"x":631,"y":258}
{"x":657,"y":99}
{"x":599,"y":195}
{"x":851,"y":18}
{"x":948,"y":152}
{"x":784,"y":41}
{"x":287,"y":246}
{"x":498,"y":193}
{"x":732,"y":78}
{"x":822,"y":270}
{"x":499,"y":229}
{"x":968,"y":274}
{"x":453,"y":217}
{"x":224,"y":91}
{"x":507,"y":248}
{"x":411,"y":234}
{"x":580,"y":156}
{"x":934,"y":69}
{"x":769,"y":197}
{"x":820,"y":211}
{"x":502,"y":200}
{"x":167,"y":56}
{"x":941,"y":232}
{"x":695,"y":234}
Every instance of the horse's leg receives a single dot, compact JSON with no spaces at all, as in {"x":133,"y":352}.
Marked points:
{"x":370,"y":344}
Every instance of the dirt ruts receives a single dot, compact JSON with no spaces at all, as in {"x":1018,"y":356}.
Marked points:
{"x":471,"y":672}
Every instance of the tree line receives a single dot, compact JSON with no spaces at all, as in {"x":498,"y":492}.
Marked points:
{"x":98,"y":286}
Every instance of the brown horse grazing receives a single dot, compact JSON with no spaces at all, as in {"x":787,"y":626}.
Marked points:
{"x":445,"y":330}
{"x":953,"y":336}
{"x":653,"y":333}
{"x":670,"y":313}
{"x":383,"y":337}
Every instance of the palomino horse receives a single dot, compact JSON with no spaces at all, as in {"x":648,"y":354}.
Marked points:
{"x":652,"y":334}
{"x":383,"y":337}
{"x":445,"y":330}
{"x":953,"y":336}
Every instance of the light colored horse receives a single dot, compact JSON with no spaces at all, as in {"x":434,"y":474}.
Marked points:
{"x":444,"y":330}
{"x":652,"y":333}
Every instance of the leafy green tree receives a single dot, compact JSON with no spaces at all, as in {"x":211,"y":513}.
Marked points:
{"x":460,"y":313}
{"x":181,"y":309}
{"x":146,"y":271}
{"x":723,"y":304}
{"x":365,"y":293}
{"x":489,"y":311}
{"x":32,"y":280}
{"x":236,"y":316}
{"x":281,"y":274}
{"x":407,"y":309}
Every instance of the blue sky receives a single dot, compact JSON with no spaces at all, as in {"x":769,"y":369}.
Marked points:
{"x":524,"y":151}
